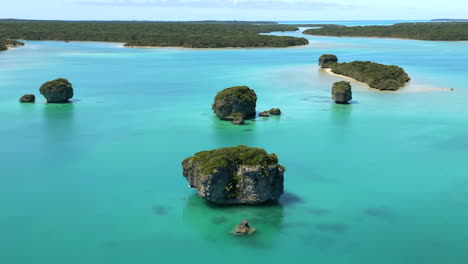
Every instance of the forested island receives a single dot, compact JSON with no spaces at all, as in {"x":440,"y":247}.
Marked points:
{"x":452,"y":31}
{"x":376,"y":75}
{"x":5,"y":43}
{"x":204,"y":34}
{"x":449,"y":20}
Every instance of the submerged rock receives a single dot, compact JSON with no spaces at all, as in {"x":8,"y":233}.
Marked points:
{"x":275,"y":111}
{"x":236,"y":175}
{"x":238,"y":120}
{"x":243,"y":229}
{"x":265,"y":114}
{"x":327,"y":59}
{"x":28,"y":98}
{"x":341,"y":92}
{"x":237,"y":102}
{"x":57,"y":91}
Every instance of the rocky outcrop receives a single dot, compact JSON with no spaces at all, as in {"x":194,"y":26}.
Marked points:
{"x":236,"y":175}
{"x":275,"y":111}
{"x":243,"y":229}
{"x":28,"y":98}
{"x":264,"y":114}
{"x":341,"y":92}
{"x":326,"y":60}
{"x":57,"y":91}
{"x":235,"y":103}
{"x":238,"y":120}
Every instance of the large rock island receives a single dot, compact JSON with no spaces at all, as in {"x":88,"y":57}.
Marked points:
{"x":235,"y":104}
{"x":236,"y":175}
{"x":57,"y":91}
{"x":378,"y":76}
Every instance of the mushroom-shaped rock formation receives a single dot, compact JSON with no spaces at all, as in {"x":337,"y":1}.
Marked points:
{"x":275,"y":111}
{"x":264,"y":114}
{"x":341,"y":92}
{"x":243,"y":229}
{"x":28,"y":98}
{"x":57,"y":91}
{"x":235,"y":175}
{"x":327,"y":59}
{"x":237,"y":102}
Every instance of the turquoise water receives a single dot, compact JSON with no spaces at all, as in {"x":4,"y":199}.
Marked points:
{"x":382,"y":180}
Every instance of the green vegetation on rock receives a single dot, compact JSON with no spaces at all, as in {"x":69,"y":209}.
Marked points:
{"x":378,"y":76}
{"x":235,"y":103}
{"x":57,"y":91}
{"x":212,"y":160}
{"x":236,"y":175}
{"x":421,"y":31}
{"x":205,"y":34}
{"x":327,"y":59}
{"x":4,"y":43}
{"x":341,"y":92}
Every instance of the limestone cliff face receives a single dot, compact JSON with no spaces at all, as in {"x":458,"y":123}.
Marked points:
{"x":235,"y":103}
{"x":239,"y":175}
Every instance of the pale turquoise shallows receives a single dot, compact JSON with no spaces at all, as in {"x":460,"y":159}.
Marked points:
{"x":382,"y":180}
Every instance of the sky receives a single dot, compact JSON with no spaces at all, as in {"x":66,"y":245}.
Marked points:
{"x":268,"y":10}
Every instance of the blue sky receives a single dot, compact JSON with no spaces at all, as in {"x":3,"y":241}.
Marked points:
{"x":233,"y":9}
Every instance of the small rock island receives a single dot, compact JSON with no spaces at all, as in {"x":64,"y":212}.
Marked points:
{"x":341,"y":92}
{"x":235,"y":104}
{"x":57,"y":91}
{"x":327,"y":59}
{"x":243,"y":229}
{"x":28,"y":98}
{"x":235,"y":175}
{"x":376,"y":75}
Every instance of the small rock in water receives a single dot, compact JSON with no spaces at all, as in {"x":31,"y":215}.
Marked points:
{"x":265,"y":114}
{"x":238,"y":121}
{"x":244,"y":229}
{"x":341,"y":92}
{"x":28,"y":98}
{"x":275,"y":111}
{"x":160,"y":210}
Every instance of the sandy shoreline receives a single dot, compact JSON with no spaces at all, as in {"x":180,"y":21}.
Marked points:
{"x":405,"y":89}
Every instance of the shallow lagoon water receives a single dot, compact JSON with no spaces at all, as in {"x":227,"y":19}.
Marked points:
{"x":99,"y":180}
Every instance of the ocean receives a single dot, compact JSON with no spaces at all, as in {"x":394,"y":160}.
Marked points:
{"x":381,"y":180}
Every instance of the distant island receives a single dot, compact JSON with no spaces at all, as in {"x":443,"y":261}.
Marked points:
{"x":449,"y":20}
{"x":420,"y":31}
{"x":376,"y":75}
{"x":203,"y":34}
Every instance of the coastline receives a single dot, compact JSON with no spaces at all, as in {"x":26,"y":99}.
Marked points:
{"x":376,"y":37}
{"x":226,"y":48}
{"x":405,"y":89}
